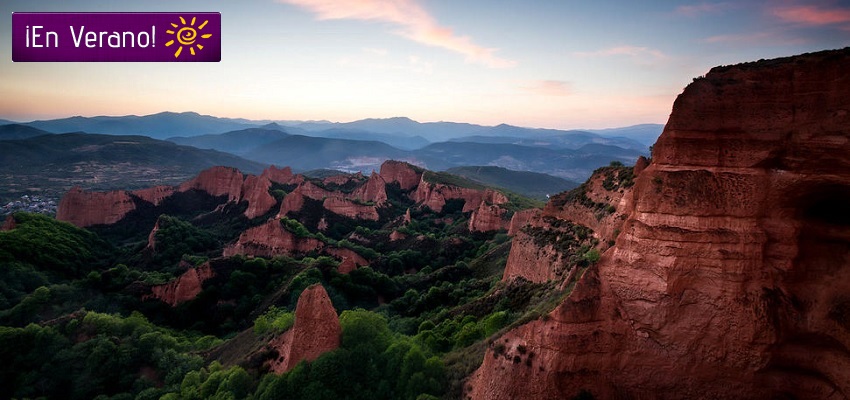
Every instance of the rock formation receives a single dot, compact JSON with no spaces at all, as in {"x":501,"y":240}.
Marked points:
{"x":521,"y":219}
{"x":255,"y":190}
{"x":434,"y":196}
{"x":292,"y":202}
{"x":350,"y":209}
{"x":217,"y":181}
{"x":730,"y":277}
{"x":154,"y":195}
{"x":375,"y":190}
{"x":406,"y":175}
{"x":316,"y":331}
{"x":487,"y":218}
{"x":281,"y":175}
{"x":271,"y":239}
{"x":184,"y":288}
{"x":85,"y":209}
{"x":544,"y":242}
{"x":8,"y":224}
{"x":152,"y":237}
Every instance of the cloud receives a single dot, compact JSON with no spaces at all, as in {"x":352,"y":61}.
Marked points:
{"x":631,"y":51}
{"x":415,"y":23}
{"x":701,"y":8}
{"x":549,"y":88}
{"x":812,"y":15}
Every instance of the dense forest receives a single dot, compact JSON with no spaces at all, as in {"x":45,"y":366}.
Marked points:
{"x":77,"y":319}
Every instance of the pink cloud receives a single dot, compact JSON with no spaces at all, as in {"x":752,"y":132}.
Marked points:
{"x":415,"y":22}
{"x":631,"y":51}
{"x":813,"y":15}
{"x":549,"y":88}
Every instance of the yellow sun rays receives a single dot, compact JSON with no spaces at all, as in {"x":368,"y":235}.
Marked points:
{"x":186,"y":35}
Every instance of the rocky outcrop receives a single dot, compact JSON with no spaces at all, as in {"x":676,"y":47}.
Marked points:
{"x":434,"y":196}
{"x":522,"y":218}
{"x":310,"y":190}
{"x":406,"y":175}
{"x":154,"y":195}
{"x":347,"y":254}
{"x":730,"y":277}
{"x":271,"y":239}
{"x":374,"y":190}
{"x":487,"y":218}
{"x":640,"y":165}
{"x":315,"y":332}
{"x":591,"y":215}
{"x":350,"y":209}
{"x":255,"y":190}
{"x":396,"y":235}
{"x":8,"y":224}
{"x":85,"y":209}
{"x":151,"y":246}
{"x":217,"y":181}
{"x":292,"y":202}
{"x":184,"y":288}
{"x":281,"y":175}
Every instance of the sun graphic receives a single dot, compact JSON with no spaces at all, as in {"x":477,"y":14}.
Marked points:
{"x":186,"y":36}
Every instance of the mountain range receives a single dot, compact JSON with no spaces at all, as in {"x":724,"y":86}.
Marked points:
{"x":352,"y":146}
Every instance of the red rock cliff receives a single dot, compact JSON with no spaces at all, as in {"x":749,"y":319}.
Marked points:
{"x":154,"y":195}
{"x":315,"y":332}
{"x":184,"y":288}
{"x":94,"y":208}
{"x":255,"y":190}
{"x":281,"y":175}
{"x":9,"y":223}
{"x":487,"y":218}
{"x":271,"y":239}
{"x":730,"y":277}
{"x":217,"y":181}
{"x":406,"y":175}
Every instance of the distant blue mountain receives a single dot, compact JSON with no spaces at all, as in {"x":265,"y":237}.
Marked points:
{"x":157,"y":126}
{"x":18,"y":131}
{"x":643,"y":133}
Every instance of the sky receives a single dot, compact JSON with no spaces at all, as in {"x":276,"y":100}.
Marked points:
{"x":549,"y":64}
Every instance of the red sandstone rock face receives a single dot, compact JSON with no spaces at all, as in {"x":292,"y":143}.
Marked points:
{"x":184,"y":288}
{"x":521,"y":219}
{"x":152,"y":237}
{"x":310,"y":190}
{"x":350,"y":209}
{"x":538,"y":262}
{"x":8,"y":224}
{"x":217,"y":181}
{"x":405,"y":174}
{"x":281,"y":175}
{"x":730,"y":277}
{"x":94,"y":208}
{"x":375,"y":190}
{"x":487,"y":218}
{"x":434,"y":196}
{"x":640,"y":165}
{"x":269,"y":240}
{"x":154,"y":195}
{"x":255,"y":190}
{"x":396,"y":235}
{"x":347,"y":254}
{"x":346,"y":266}
{"x":315,"y":332}
{"x":292,"y":202}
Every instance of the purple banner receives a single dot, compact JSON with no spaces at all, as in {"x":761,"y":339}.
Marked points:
{"x":158,"y":37}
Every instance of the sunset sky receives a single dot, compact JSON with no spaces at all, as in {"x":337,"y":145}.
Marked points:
{"x":554,"y":64}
